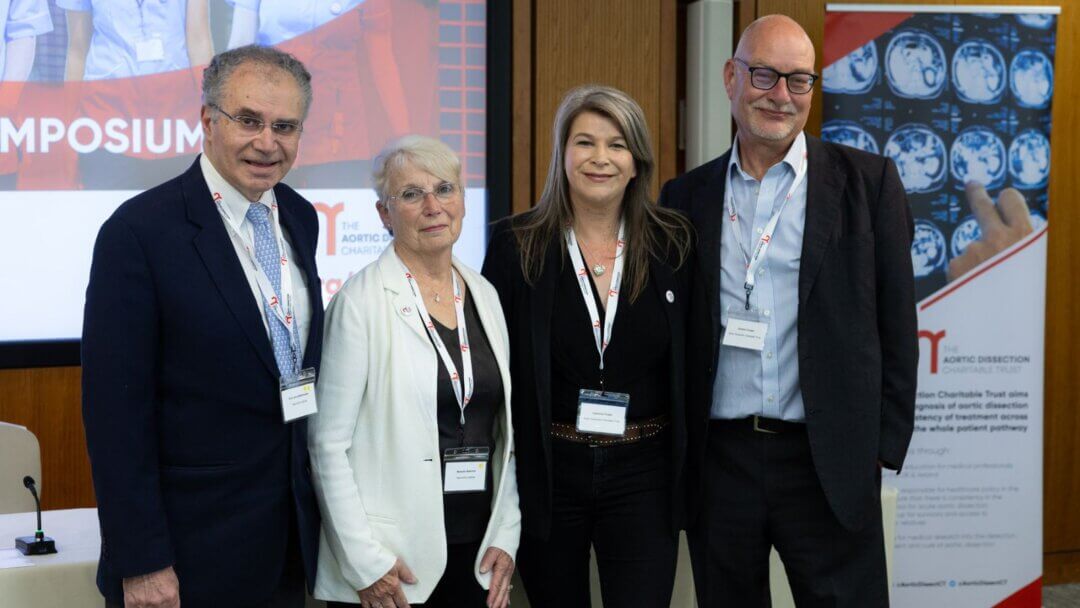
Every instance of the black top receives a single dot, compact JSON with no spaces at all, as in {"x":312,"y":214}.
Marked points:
{"x":635,"y":362}
{"x":466,"y":515}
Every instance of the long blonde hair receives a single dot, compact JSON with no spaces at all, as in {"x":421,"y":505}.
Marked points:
{"x":650,"y":230}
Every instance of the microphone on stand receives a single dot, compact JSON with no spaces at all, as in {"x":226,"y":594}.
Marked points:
{"x":38,"y":544}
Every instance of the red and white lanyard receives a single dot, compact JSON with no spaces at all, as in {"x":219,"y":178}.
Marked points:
{"x":284,"y":311}
{"x":463,"y":397}
{"x":754,"y":261}
{"x":603,"y":338}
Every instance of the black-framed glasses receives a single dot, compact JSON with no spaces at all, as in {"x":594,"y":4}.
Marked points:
{"x":253,"y":126}
{"x":444,"y":192}
{"x":798,"y":83}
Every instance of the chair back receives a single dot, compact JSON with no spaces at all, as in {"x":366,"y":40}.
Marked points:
{"x":20,"y":455}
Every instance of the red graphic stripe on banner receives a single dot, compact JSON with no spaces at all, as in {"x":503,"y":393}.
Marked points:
{"x":1028,"y":597}
{"x":967,"y":278}
{"x":845,"y":32}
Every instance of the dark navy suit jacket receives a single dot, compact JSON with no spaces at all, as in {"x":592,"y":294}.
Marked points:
{"x":193,"y":463}
{"x":857,"y":344}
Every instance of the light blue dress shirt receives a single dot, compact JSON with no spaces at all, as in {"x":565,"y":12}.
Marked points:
{"x":119,"y":25}
{"x":765,"y":383}
{"x":22,"y":18}
{"x":280,"y":20}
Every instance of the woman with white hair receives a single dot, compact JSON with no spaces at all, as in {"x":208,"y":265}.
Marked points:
{"x":411,"y":451}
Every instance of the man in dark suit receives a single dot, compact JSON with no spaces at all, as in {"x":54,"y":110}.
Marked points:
{"x":804,"y":248}
{"x":203,"y":326}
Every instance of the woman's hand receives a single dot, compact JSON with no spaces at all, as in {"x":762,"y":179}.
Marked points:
{"x":387,"y":592}
{"x":501,"y":566}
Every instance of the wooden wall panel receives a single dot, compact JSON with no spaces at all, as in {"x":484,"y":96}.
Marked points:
{"x":1061,"y":526}
{"x":47,"y":401}
{"x":522,"y":179}
{"x":613,"y":42}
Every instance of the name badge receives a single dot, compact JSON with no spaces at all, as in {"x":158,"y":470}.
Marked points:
{"x":465,"y":469}
{"x":298,"y":395}
{"x":602,"y":413}
{"x":149,"y":49}
{"x":745,"y":330}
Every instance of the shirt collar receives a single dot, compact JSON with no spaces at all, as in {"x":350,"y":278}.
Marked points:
{"x":793,"y":158}
{"x":235,"y":204}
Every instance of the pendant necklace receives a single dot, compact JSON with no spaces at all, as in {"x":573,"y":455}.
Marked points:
{"x":598,"y":269}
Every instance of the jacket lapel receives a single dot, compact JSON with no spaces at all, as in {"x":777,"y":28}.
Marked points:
{"x":393,"y":278}
{"x":663,"y":280}
{"x":219,"y":257}
{"x":708,"y":214}
{"x":542,"y":301}
{"x":483,"y":310}
{"x":824,"y":191}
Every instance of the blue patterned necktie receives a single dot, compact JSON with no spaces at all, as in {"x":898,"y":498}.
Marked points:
{"x":266,"y":252}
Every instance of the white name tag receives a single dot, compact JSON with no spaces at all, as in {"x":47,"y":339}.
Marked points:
{"x":298,"y":396}
{"x":149,"y":49}
{"x":465,"y":470}
{"x":602,"y":413}
{"x":745,"y":333}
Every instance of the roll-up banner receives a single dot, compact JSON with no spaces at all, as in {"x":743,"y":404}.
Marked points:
{"x":959,"y":98}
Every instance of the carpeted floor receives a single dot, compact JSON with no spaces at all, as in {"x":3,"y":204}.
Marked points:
{"x":1061,"y":596}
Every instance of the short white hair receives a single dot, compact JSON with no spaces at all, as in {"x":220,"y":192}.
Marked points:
{"x":424,"y":153}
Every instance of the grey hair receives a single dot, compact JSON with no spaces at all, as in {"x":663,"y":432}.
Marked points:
{"x":424,"y":153}
{"x":225,"y":63}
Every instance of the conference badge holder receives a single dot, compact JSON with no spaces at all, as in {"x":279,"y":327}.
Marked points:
{"x":465,"y":469}
{"x":150,"y":49}
{"x":745,"y":329}
{"x":298,"y":395}
{"x":602,"y":413}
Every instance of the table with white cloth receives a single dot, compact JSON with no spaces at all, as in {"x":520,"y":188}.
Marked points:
{"x":65,"y":578}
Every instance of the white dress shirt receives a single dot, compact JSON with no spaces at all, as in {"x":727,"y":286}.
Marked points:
{"x":237,"y":205}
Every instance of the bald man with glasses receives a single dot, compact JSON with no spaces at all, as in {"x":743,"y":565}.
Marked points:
{"x":808,"y":375}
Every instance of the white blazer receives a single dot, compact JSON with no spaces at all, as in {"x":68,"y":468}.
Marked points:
{"x":374,"y":444}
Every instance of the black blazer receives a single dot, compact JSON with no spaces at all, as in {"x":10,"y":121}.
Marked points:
{"x":192,"y":463}
{"x":858,"y":350}
{"x":528,"y":311}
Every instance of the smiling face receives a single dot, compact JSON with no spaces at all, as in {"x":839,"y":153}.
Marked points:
{"x":425,"y":228}
{"x":774,"y":117}
{"x":598,"y":162}
{"x":253,"y":164}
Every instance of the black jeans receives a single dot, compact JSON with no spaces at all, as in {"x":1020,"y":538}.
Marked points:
{"x":617,"y":500}
{"x":761,"y":491}
{"x":458,"y":587}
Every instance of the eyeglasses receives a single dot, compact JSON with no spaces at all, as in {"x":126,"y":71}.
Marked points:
{"x":798,"y":83}
{"x":444,"y":192}
{"x":250,"y":125}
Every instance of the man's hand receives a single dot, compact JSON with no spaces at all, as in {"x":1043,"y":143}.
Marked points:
{"x":158,"y":589}
{"x":1001,"y":226}
{"x":501,"y":566}
{"x":387,"y":592}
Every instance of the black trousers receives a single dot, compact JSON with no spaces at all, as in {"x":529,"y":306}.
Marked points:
{"x":761,"y":490}
{"x":458,"y":587}
{"x":616,"y":500}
